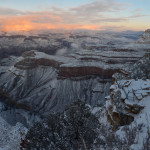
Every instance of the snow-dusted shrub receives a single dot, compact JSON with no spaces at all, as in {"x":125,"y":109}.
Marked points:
{"x":75,"y":128}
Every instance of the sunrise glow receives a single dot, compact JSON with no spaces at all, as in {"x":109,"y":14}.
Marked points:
{"x":91,"y":15}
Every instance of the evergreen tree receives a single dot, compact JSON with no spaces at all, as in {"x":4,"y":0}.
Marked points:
{"x":76,"y":128}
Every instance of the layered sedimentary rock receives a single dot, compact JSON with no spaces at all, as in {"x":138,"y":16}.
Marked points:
{"x":78,"y":64}
{"x":85,"y":70}
{"x":47,"y":83}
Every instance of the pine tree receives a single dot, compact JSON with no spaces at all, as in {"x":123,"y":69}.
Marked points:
{"x":76,"y":128}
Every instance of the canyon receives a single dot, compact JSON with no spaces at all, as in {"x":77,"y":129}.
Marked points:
{"x":37,"y":81}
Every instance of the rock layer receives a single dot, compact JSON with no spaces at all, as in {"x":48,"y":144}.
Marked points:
{"x":48,"y":83}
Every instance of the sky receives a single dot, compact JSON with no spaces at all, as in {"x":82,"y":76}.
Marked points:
{"x":115,"y":15}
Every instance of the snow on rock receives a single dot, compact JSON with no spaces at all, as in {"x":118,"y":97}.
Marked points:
{"x":127,"y":108}
{"x":10,"y":136}
{"x":34,"y":80}
{"x":40,"y":81}
{"x":79,"y":63}
{"x":145,"y":37}
{"x":126,"y":98}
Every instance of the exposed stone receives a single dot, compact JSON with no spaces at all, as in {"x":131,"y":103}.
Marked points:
{"x":29,"y":54}
{"x":125,"y":99}
{"x":29,"y":63}
{"x":135,"y":109}
{"x":13,"y":102}
{"x":118,"y":119}
{"x":145,"y":37}
{"x":83,"y":71}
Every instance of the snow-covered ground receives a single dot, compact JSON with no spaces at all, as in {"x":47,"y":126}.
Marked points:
{"x":43,"y":90}
{"x":10,"y":136}
{"x":133,"y":100}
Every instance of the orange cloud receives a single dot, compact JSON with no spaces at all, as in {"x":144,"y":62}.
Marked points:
{"x":27,"y":23}
{"x":66,"y":20}
{"x":47,"y":22}
{"x":95,"y":15}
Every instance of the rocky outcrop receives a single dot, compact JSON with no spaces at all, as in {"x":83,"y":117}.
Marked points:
{"x":125,"y":101}
{"x":145,"y":37}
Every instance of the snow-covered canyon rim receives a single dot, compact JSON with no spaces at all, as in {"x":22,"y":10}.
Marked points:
{"x":80,"y":66}
{"x":39,"y":82}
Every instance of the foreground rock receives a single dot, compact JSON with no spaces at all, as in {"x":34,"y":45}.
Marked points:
{"x":125,"y":101}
